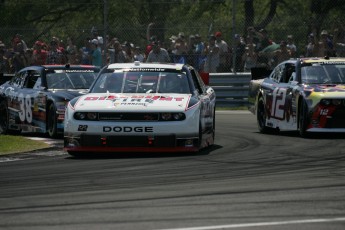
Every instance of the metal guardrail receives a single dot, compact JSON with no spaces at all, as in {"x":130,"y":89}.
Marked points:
{"x":231,"y":88}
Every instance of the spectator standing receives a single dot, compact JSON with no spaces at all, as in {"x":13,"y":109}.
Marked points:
{"x":19,"y":38}
{"x":119,"y":54}
{"x":262,"y":42}
{"x":223,"y":53}
{"x":249,"y":57}
{"x":278,"y":55}
{"x":138,"y":56}
{"x":309,"y":49}
{"x":39,"y":55}
{"x":55,"y":55}
{"x":111,"y":50}
{"x":264,"y":39}
{"x":239,"y":50}
{"x":324,"y":47}
{"x":85,"y":52}
{"x":149,"y":46}
{"x":19,"y":59}
{"x":212,"y":56}
{"x":199,"y":50}
{"x":72,"y":52}
{"x":96,"y":36}
{"x":190,"y":56}
{"x":29,"y":56}
{"x":291,"y":46}
{"x":180,"y":49}
{"x":339,"y":42}
{"x":4,"y":62}
{"x":128,"y":50}
{"x":96,"y":56}
{"x":158,"y":54}
{"x":281,"y":54}
{"x":171,"y":47}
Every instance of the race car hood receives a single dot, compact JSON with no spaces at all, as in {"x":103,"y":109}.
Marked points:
{"x":325,"y":89}
{"x":69,"y":94}
{"x":133,"y":102}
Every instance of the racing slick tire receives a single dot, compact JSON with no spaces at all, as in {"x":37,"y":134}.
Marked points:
{"x":3,"y":118}
{"x":261,"y":117}
{"x":302,"y":119}
{"x":76,"y":154}
{"x":51,"y":121}
{"x":200,"y":137}
{"x":214,"y":125}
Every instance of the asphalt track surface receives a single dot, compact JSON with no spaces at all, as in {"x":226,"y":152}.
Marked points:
{"x":246,"y":181}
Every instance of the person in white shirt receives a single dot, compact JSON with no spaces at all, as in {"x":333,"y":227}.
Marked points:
{"x":158,"y":54}
{"x":223,"y":53}
{"x":291,"y":46}
{"x":212,"y":56}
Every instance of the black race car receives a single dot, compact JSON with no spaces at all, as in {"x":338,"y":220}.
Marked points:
{"x":34,"y":100}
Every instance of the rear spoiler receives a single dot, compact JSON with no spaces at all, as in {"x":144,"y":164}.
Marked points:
{"x":260,"y":72}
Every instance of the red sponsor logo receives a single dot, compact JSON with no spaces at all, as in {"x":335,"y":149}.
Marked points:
{"x":133,"y":98}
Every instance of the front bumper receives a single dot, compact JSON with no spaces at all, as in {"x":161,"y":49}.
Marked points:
{"x":150,"y":143}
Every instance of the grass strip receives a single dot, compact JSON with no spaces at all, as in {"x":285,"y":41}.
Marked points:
{"x":15,"y":144}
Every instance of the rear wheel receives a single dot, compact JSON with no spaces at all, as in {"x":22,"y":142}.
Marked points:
{"x":200,"y":136}
{"x":75,"y":154}
{"x":52,"y":121}
{"x":3,"y":117}
{"x":261,"y":117}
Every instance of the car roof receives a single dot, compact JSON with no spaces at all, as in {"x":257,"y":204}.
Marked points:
{"x":62,"y":67}
{"x":67,"y":66}
{"x":139,"y":65}
{"x":323,"y":60}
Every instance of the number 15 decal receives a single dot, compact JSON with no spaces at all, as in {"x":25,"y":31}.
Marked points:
{"x":278,"y":100}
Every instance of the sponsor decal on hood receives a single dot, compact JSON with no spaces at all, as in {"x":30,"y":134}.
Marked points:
{"x":108,"y":102}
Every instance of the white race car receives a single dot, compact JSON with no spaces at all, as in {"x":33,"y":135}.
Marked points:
{"x":142,"y":107}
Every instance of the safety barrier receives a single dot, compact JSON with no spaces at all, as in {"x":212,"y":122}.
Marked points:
{"x":231,"y":88}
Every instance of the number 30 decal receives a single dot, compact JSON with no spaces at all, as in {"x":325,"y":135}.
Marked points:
{"x":278,"y":100}
{"x":25,"y":112}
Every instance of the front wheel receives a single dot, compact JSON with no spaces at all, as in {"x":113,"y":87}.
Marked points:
{"x":303,"y":119}
{"x":75,"y":154}
{"x":52,"y":121}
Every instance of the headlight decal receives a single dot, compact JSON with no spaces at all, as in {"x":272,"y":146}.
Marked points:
{"x":172,"y":117}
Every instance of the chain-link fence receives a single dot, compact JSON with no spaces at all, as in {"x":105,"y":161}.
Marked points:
{"x":254,"y":32}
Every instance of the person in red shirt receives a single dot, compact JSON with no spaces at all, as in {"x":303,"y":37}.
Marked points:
{"x":39,"y":55}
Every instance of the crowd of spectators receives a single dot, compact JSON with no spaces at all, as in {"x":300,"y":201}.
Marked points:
{"x":211,"y":54}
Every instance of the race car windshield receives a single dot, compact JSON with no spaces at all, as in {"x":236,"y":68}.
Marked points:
{"x":142,"y":82}
{"x":323,"y":74}
{"x":73,"y":80}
